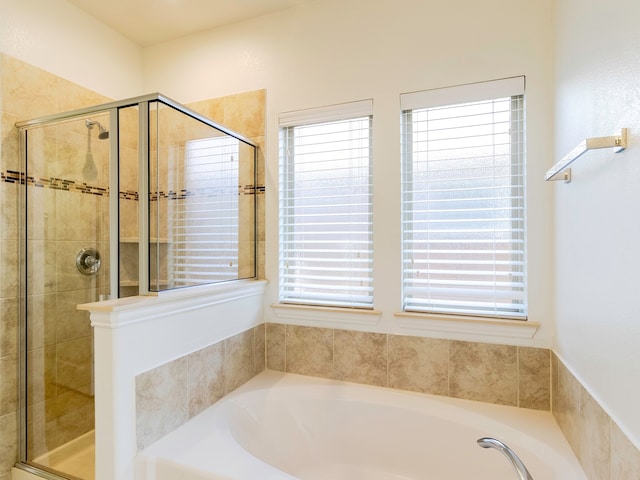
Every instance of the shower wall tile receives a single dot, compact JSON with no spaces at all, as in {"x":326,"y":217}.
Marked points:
{"x":245,"y":113}
{"x":9,"y":153}
{"x":71,"y":97}
{"x":42,"y":213}
{"x":71,"y":323}
{"x":419,"y":364}
{"x":9,"y":268}
{"x":41,"y":381}
{"x":27,"y":91}
{"x":360,"y":357}
{"x":74,"y":364}
{"x":41,"y":267}
{"x":41,"y":329}
{"x":9,"y":326}
{"x":205,"y":376}
{"x":8,"y":384}
{"x":9,"y":211}
{"x":8,"y":445}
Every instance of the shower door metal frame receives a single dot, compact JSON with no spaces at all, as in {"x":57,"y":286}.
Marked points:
{"x":113,"y":108}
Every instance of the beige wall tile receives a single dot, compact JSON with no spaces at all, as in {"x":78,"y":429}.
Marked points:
{"x":27,"y":91}
{"x":212,"y":109}
{"x":9,"y":153}
{"x":276,"y":349}
{"x":625,"y":457}
{"x":554,"y":382}
{"x":8,"y":211}
{"x":361,"y":357}
{"x":41,"y":266}
{"x":239,"y":360}
{"x":534,"y":378}
{"x":8,"y":446}
{"x":161,"y":401}
{"x":419,"y":364}
{"x":71,"y":323}
{"x":206,"y":377}
{"x":595,"y":439}
{"x":259,"y":348}
{"x":41,"y":378}
{"x":41,"y":215}
{"x":244,"y":113}
{"x":73,"y":424}
{"x":9,"y":268}
{"x":74,"y":363}
{"x":483,"y":372}
{"x":309,"y":351}
{"x":8,"y":326}
{"x":567,"y":411}
{"x":8,"y":384}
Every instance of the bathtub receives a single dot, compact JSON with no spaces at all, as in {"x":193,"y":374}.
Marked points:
{"x":285,"y":426}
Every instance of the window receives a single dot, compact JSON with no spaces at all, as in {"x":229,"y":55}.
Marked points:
{"x":463,"y":200}
{"x":326,"y":244}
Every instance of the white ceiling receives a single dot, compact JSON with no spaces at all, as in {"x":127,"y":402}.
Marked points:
{"x":147,"y":22}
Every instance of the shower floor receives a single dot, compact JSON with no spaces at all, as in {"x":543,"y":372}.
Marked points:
{"x":76,"y":458}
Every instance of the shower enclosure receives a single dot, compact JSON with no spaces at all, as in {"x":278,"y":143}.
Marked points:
{"x":128,"y":198}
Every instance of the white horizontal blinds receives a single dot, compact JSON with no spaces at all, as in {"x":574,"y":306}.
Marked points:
{"x":204,"y":229}
{"x":464,"y":205}
{"x":326,"y":245}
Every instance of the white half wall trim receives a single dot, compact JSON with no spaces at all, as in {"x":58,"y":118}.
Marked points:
{"x":133,"y":335}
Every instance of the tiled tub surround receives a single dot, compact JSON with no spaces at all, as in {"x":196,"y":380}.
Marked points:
{"x":602,"y":448}
{"x":510,"y":375}
{"x":501,"y":374}
{"x":169,"y":395}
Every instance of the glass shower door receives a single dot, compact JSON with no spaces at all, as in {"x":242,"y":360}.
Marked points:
{"x":67,"y":263}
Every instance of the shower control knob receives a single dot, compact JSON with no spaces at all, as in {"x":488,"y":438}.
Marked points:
{"x":88,"y":261}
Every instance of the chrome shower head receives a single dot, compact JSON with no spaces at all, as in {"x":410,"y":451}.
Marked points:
{"x":103,"y":133}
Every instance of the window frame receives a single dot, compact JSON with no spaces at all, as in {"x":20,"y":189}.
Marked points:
{"x":458,"y":95}
{"x":288,"y":122}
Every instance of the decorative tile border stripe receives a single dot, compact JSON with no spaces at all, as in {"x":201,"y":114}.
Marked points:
{"x":11,"y":176}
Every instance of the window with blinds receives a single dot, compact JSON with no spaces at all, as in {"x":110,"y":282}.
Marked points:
{"x":326,"y":244}
{"x":463,"y":200}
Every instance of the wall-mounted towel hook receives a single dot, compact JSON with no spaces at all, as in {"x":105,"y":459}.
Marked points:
{"x":560,"y":170}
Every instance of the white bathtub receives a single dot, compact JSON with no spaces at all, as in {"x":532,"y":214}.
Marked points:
{"x":284,"y":426}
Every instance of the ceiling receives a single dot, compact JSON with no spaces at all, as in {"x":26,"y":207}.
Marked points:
{"x":148,"y":22}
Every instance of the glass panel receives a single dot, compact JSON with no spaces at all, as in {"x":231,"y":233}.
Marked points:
{"x":128,"y":200}
{"x":67,"y":263}
{"x":202,"y":202}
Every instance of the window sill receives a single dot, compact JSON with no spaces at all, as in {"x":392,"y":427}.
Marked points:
{"x":324,"y":316}
{"x":426,"y":323}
